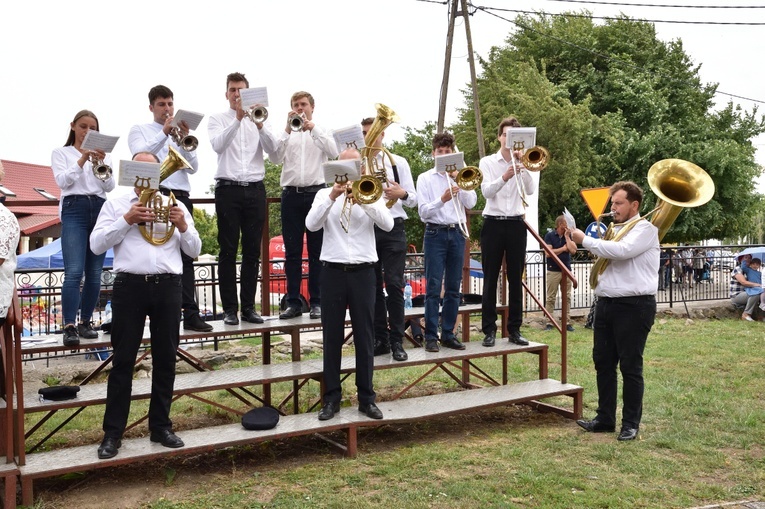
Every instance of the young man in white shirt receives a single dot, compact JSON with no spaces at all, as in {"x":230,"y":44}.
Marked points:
{"x":156,"y":138}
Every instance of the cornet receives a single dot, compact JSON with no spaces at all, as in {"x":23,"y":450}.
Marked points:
{"x":258,"y":114}
{"x":296,"y":122}
{"x":101,"y":171}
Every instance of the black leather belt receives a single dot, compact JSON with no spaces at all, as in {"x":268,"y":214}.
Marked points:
{"x":148,"y":278}
{"x":177,"y":192}
{"x":348,"y":267}
{"x":226,"y":182}
{"x":635,"y":299}
{"x":505,"y":218}
{"x":434,"y":226}
{"x":306,"y":189}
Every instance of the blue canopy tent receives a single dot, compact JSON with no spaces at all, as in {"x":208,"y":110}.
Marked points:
{"x":50,"y":257}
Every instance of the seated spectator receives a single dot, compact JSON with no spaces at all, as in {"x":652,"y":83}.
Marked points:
{"x":738,"y":294}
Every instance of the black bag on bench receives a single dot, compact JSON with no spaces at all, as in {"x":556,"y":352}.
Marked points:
{"x":261,"y":418}
{"x":59,"y":392}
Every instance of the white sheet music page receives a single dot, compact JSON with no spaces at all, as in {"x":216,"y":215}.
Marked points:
{"x":349,"y":137}
{"x":520,"y":138}
{"x":570,"y":221}
{"x":346,"y":170}
{"x":192,"y":118}
{"x":139,"y":174}
{"x":450,"y":162}
{"x":97,"y":141}
{"x":252,"y":96}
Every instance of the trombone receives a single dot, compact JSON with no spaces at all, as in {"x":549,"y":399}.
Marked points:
{"x":468,"y":179}
{"x":534,"y":159}
{"x":366,"y":190}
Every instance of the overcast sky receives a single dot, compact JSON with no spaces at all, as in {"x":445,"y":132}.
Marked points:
{"x":61,"y":57}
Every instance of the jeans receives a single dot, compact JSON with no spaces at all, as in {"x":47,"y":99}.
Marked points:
{"x":78,"y":217}
{"x":444,"y":253}
{"x":295,"y":207}
{"x":239,"y":209}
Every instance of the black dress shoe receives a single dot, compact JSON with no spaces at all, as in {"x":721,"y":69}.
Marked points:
{"x":595,"y":426}
{"x":109,"y":448}
{"x":453,"y":343}
{"x":627,"y":433}
{"x":249,"y":315}
{"x":399,"y":354}
{"x":489,"y":340}
{"x":231,"y":319}
{"x":167,"y":438}
{"x":290,"y":312}
{"x":194,"y":322}
{"x":86,"y":331}
{"x":515,"y":337}
{"x":419,"y":340}
{"x":431,"y":345}
{"x":371,"y":410}
{"x":315,"y":313}
{"x":381,"y":348}
{"x":71,"y":338}
{"x":328,"y":411}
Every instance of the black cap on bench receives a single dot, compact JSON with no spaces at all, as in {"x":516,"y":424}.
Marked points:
{"x":260,"y":418}
{"x":59,"y":392}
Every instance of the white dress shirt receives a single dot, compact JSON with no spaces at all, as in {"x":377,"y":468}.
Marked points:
{"x":503,"y":198}
{"x":356,"y":246}
{"x":303,"y":153}
{"x":239,"y":145}
{"x":72,"y":179}
{"x":431,"y":185}
{"x":634,"y":261}
{"x":132,"y":254}
{"x":406,"y":183}
{"x":151,"y":138}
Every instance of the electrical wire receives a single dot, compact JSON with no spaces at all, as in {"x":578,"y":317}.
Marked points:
{"x":662,"y":5}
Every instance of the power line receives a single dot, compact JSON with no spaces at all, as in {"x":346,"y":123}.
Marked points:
{"x":488,"y":10}
{"x":664,"y":5}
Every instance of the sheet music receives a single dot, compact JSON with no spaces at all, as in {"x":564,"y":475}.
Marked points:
{"x":350,"y":136}
{"x":450,"y":162}
{"x":527,"y":136}
{"x":347,"y":170}
{"x":570,"y":221}
{"x":192,"y":118}
{"x":139,"y":174}
{"x":97,"y":141}
{"x":252,"y":96}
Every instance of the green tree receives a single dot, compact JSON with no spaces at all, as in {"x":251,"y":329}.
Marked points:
{"x":207,"y":227}
{"x":609,"y":101}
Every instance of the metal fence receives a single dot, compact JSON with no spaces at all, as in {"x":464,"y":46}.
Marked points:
{"x":40,"y":289}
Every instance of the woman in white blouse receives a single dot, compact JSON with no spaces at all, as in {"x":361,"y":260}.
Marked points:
{"x":9,"y":240}
{"x":82,"y":195}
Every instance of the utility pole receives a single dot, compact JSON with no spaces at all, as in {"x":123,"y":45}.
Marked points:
{"x":453,"y":13}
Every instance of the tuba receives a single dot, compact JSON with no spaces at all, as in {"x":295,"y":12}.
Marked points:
{"x":161,"y":229}
{"x":677,"y":184}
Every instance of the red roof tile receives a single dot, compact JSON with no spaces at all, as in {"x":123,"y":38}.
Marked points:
{"x":22,"y":178}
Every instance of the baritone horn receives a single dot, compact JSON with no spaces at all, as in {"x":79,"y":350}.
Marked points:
{"x":677,"y":184}
{"x":161,"y":229}
{"x":101,"y":170}
{"x":385,"y":117}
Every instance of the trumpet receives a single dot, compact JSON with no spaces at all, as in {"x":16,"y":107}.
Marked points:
{"x":101,"y":171}
{"x":258,"y":114}
{"x":296,"y":122}
{"x":188,"y":143}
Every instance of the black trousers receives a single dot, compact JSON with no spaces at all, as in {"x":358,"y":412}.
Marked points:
{"x":621,"y":328}
{"x":240,"y":210}
{"x":355,"y":291}
{"x":502,"y":239}
{"x":190,"y":306}
{"x":295,"y":207}
{"x":389,"y":313}
{"x":133,"y":300}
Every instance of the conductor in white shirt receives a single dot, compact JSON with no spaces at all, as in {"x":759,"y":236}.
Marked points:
{"x":624,"y":312}
{"x":348,"y":281}
{"x":147,"y":283}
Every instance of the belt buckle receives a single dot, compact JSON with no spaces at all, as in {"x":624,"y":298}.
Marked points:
{"x":244,"y":184}
{"x":149,"y":278}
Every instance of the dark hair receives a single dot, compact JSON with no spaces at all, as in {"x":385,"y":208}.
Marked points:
{"x":507,"y":122}
{"x":755,"y":261}
{"x":236,"y":76}
{"x":78,"y":116}
{"x":443,"y":140}
{"x":146,"y":152}
{"x":300,"y":95}
{"x":634,"y":193}
{"x":367,"y":121}
{"x":160,"y":91}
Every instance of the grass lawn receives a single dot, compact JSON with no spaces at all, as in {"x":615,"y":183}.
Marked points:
{"x":702,"y":441}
